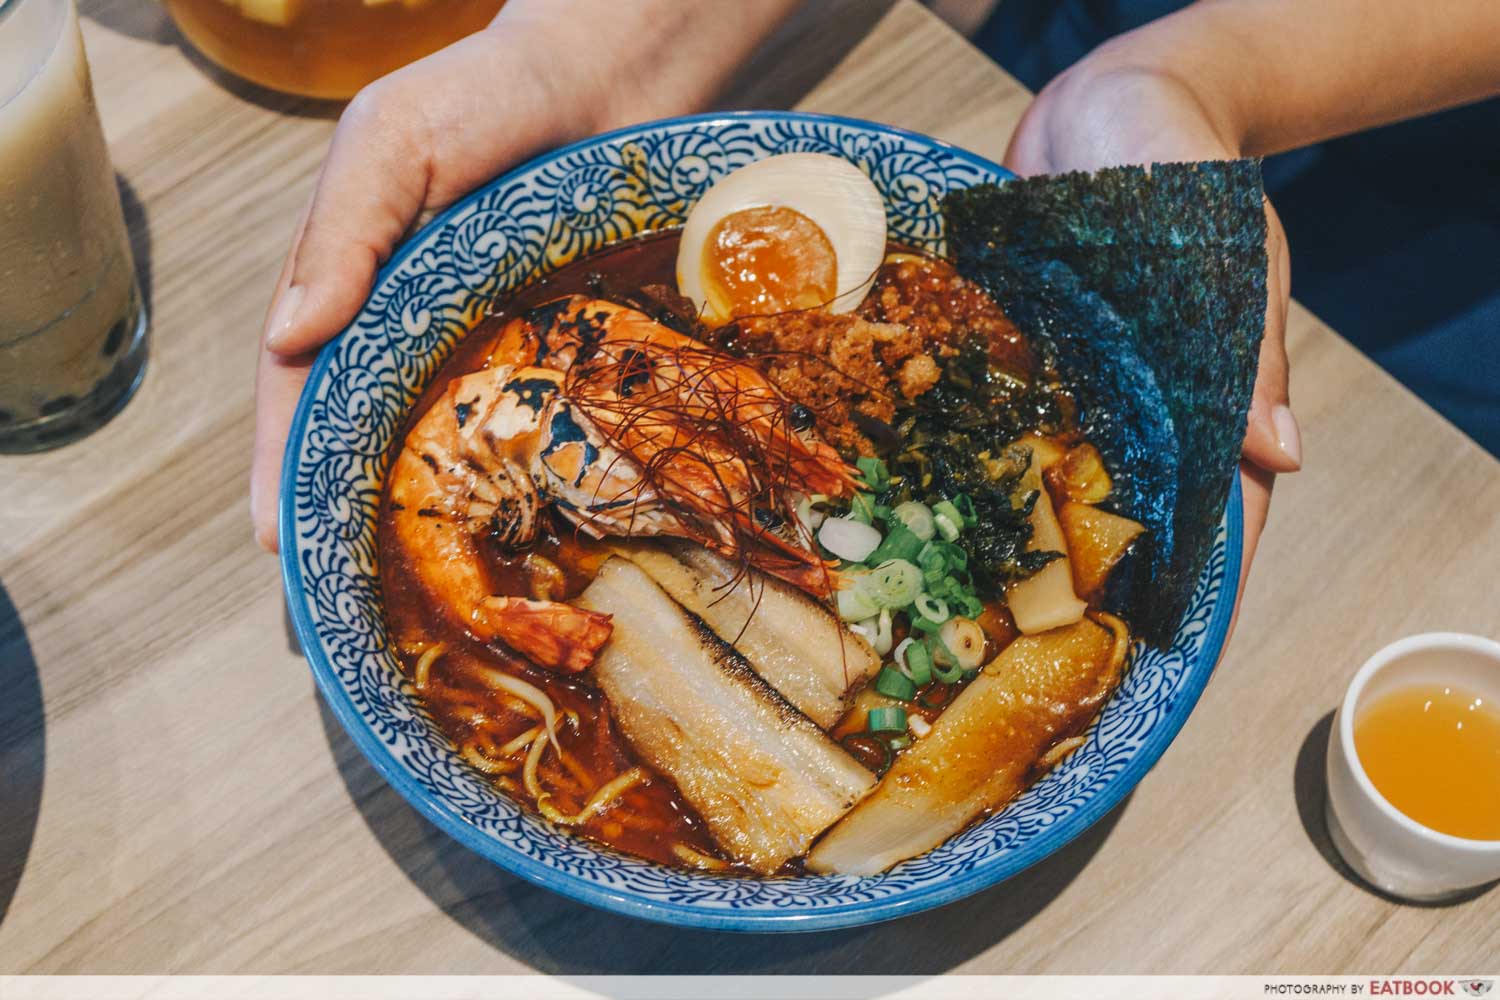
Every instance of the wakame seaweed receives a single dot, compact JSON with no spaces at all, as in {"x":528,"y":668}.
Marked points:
{"x":957,"y":442}
{"x":1149,"y":286}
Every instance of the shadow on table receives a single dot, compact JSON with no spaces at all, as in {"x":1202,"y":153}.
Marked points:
{"x":555,"y":935}
{"x":1310,"y":783}
{"x":150,"y":22}
{"x":138,"y":227}
{"x":23,"y":750}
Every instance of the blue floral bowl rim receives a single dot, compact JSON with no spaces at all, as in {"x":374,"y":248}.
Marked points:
{"x":678,"y":914}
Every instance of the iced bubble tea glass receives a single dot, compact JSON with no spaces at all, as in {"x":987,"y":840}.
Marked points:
{"x":72,"y":324}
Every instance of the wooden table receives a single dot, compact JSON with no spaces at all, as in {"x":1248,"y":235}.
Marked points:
{"x":174,"y":797}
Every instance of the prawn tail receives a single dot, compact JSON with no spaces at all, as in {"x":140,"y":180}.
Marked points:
{"x":549,"y":633}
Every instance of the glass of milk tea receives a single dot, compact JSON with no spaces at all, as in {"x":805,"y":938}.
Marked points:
{"x":72,"y":323}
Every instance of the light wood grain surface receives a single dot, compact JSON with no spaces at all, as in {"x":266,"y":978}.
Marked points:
{"x":174,"y":797}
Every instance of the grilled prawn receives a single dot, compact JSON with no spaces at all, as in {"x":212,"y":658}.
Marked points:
{"x":624,"y":428}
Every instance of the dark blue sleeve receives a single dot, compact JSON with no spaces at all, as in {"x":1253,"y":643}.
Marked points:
{"x":1395,"y":233}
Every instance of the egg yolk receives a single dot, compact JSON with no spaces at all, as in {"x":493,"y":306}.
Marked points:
{"x":768,"y":260}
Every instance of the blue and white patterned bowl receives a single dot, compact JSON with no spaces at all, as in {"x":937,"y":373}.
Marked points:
{"x":524,"y":224}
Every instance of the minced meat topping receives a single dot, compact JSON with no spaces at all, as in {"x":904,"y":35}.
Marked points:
{"x":885,"y":354}
{"x":946,"y":309}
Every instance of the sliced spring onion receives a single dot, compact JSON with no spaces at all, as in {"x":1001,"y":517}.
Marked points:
{"x":919,"y":726}
{"x":916,"y":516}
{"x":810,"y":516}
{"x":954,"y":556}
{"x":854,"y":605}
{"x":948,"y":519}
{"x":876,"y":630}
{"x":934,"y":609}
{"x":947,"y":587}
{"x":874,"y":473}
{"x":942,"y":557}
{"x":965,"y":507}
{"x":849,"y":539}
{"x":949,"y":508}
{"x":918,"y":662}
{"x":925,"y":625}
{"x":965,"y":640}
{"x":942,"y":656}
{"x":887,"y":719}
{"x":960,"y":597}
{"x":899,"y":742}
{"x":900,"y":543}
{"x":948,"y":675}
{"x":862,"y":508}
{"x":894,"y":684}
{"x":900,"y":654}
{"x":945,"y":666}
{"x":895,"y":583}
{"x":865,"y":629}
{"x":883,"y":637}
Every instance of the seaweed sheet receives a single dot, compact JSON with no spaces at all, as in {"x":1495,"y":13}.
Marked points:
{"x":1150,"y":287}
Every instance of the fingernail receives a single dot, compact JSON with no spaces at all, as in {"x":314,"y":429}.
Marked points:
{"x":1288,"y":435}
{"x":283,"y":315}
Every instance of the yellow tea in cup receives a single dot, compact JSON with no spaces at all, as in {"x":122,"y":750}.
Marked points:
{"x":1433,"y":751}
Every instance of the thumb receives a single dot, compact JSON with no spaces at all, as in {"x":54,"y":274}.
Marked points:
{"x":1273,"y":439}
{"x":373,"y":185}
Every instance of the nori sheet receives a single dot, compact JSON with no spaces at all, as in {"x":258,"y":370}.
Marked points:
{"x":1150,"y":287}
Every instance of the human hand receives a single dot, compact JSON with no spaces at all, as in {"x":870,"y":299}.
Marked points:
{"x":419,"y":138}
{"x":1107,"y":111}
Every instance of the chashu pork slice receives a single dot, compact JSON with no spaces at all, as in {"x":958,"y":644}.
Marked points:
{"x":984,"y":748}
{"x":764,"y":778}
{"x":795,"y":644}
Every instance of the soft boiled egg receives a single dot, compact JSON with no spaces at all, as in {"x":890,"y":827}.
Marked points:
{"x":792,"y":231}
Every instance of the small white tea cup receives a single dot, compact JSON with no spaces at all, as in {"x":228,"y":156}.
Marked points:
{"x":1387,"y":848}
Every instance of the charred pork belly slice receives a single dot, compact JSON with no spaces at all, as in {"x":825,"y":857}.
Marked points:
{"x":794,"y":643}
{"x":764,"y":778}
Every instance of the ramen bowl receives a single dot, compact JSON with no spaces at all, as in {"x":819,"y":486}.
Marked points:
{"x":550,"y":211}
